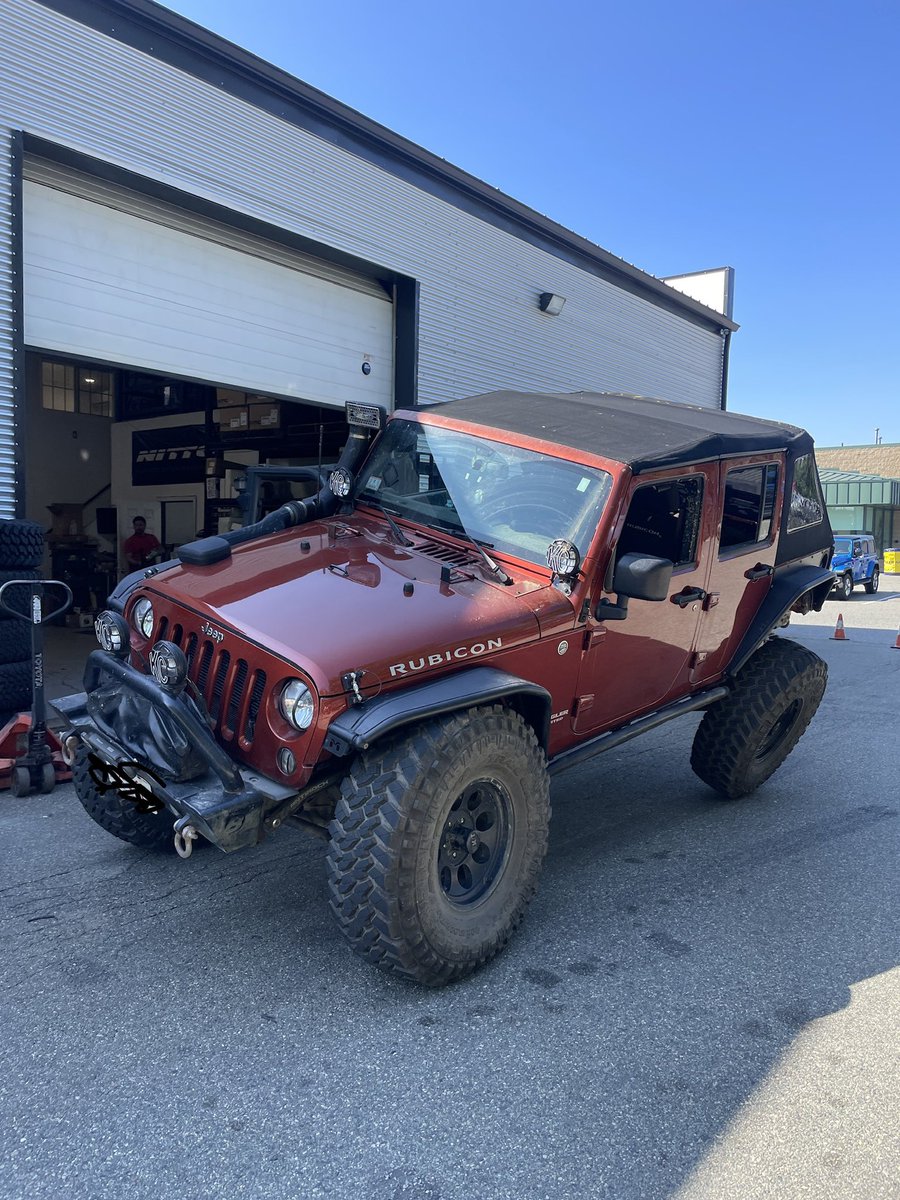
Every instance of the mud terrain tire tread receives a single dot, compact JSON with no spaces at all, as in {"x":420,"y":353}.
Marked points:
{"x":120,"y":817}
{"x":21,"y":544}
{"x":386,"y":829}
{"x":725,"y":753}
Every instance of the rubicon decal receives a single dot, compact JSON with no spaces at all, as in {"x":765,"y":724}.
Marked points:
{"x":445,"y":656}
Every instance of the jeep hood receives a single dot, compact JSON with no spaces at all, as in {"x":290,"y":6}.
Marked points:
{"x":341,"y":596}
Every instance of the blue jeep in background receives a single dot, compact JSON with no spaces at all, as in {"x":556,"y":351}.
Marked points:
{"x":854,"y":561}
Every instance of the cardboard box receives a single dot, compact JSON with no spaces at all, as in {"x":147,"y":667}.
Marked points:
{"x":68,"y":520}
{"x":231,"y":419}
{"x":230,"y":398}
{"x":265,"y":416}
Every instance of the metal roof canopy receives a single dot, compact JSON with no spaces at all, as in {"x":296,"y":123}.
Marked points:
{"x":854,"y":488}
{"x":643,"y":432}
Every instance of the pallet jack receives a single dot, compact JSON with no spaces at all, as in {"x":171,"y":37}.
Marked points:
{"x":30,"y":753}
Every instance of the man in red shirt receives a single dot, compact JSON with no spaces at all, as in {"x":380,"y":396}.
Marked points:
{"x":141,"y":547}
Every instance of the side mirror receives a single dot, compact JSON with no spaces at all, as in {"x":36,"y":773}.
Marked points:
{"x":643,"y":577}
{"x":637,"y":577}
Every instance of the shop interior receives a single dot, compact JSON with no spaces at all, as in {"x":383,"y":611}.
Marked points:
{"x":105,"y":445}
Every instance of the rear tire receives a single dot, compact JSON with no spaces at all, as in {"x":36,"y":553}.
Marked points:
{"x":122,"y":818}
{"x":746,"y":737}
{"x":437,"y":843}
{"x":872,"y":584}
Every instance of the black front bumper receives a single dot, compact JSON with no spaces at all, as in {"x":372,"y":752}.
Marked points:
{"x":227,"y":805}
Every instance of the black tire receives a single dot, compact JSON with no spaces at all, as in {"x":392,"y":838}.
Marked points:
{"x":20,"y":781}
{"x":872,"y":584}
{"x":122,"y":818}
{"x":845,"y":587}
{"x":400,"y":901}
{"x":15,"y":685}
{"x":21,"y":544}
{"x":17,"y":598}
{"x":744,"y":738}
{"x":15,"y":641}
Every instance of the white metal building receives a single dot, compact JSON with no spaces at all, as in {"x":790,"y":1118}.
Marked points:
{"x":188,"y":233}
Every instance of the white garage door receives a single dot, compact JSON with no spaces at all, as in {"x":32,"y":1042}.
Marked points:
{"x":158,"y":288}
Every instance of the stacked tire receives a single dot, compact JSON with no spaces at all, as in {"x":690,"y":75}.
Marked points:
{"x":21,"y":552}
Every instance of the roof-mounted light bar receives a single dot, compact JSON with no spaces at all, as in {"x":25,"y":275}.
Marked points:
{"x":367,"y":416}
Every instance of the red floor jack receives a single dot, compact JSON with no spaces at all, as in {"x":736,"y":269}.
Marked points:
{"x":30,"y":753}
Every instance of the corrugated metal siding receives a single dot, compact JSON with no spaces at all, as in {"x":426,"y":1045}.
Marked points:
{"x":7,"y":404}
{"x":480,"y":326}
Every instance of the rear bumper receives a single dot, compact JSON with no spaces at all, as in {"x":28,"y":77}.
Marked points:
{"x":227,"y":805}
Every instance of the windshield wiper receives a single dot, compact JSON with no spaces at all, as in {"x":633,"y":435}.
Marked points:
{"x":399,"y":536}
{"x":493,"y":566}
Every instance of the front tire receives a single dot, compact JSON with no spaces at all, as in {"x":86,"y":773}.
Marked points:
{"x":845,"y":587}
{"x":437,"y":843}
{"x":872,"y":584}
{"x":122,"y":818}
{"x":746,"y":737}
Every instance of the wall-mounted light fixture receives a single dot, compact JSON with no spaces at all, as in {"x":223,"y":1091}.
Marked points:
{"x":551,"y":304}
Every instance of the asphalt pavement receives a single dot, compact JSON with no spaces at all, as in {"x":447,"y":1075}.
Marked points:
{"x":702,"y":1002}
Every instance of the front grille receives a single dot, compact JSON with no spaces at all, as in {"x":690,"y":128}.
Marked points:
{"x":222,"y":682}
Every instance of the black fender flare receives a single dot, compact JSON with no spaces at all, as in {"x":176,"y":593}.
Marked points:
{"x":360,"y":725}
{"x":787,"y":587}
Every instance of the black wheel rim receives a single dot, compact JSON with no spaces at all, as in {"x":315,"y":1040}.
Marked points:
{"x":474,"y":842}
{"x":779,"y":729}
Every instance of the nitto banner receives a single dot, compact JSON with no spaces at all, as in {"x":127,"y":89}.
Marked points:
{"x":176,"y":455}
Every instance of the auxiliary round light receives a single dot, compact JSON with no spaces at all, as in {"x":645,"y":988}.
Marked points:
{"x":562,"y":557}
{"x":286,"y":761}
{"x":340,"y":481}
{"x":168,"y":665}
{"x":296,"y":704}
{"x":112,"y":632}
{"x":142,"y":617}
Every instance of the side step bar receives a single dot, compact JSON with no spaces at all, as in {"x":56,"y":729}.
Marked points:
{"x":615,"y":737}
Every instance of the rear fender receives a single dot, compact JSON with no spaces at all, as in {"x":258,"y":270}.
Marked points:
{"x":807,"y":583}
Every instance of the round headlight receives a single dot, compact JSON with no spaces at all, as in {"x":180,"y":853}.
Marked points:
{"x":340,"y":481}
{"x":142,"y":617}
{"x":112,"y":632}
{"x":562,"y":557}
{"x":296,"y":704}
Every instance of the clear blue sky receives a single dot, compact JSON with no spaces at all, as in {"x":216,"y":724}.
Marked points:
{"x":682,"y":135}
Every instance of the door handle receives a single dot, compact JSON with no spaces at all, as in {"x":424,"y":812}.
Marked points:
{"x":758,"y":572}
{"x":688,"y":596}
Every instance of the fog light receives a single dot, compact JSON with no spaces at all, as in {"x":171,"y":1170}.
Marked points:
{"x":562,"y":557}
{"x":112,"y":632}
{"x":286,"y":761}
{"x":340,"y":481}
{"x":168,"y":665}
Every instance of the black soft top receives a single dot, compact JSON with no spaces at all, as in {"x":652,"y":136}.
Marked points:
{"x":643,"y":433}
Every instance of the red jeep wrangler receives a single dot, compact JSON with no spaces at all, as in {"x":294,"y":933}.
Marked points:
{"x":487,"y":593}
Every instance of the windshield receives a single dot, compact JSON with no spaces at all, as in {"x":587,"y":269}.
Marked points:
{"x":507,"y":498}
{"x":842,"y":545}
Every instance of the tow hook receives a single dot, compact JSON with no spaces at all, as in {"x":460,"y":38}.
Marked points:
{"x":69,"y":748}
{"x":185,"y":836}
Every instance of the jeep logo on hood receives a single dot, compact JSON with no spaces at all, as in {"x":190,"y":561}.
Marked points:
{"x":445,"y":656}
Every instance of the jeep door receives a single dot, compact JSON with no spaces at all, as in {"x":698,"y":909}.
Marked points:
{"x":633,"y":666}
{"x":743,"y":558}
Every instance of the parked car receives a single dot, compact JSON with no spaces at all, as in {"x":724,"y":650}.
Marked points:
{"x":854,"y":561}
{"x":493,"y":591}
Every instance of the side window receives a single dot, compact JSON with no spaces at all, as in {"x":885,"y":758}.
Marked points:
{"x":857,"y":549}
{"x":807,"y":506}
{"x":664,"y":520}
{"x":748,"y":506}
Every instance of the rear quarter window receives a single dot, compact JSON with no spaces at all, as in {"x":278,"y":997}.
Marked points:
{"x":807,"y":506}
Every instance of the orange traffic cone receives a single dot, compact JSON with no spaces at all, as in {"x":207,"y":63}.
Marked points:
{"x":896,"y":645}
{"x":839,"y":635}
